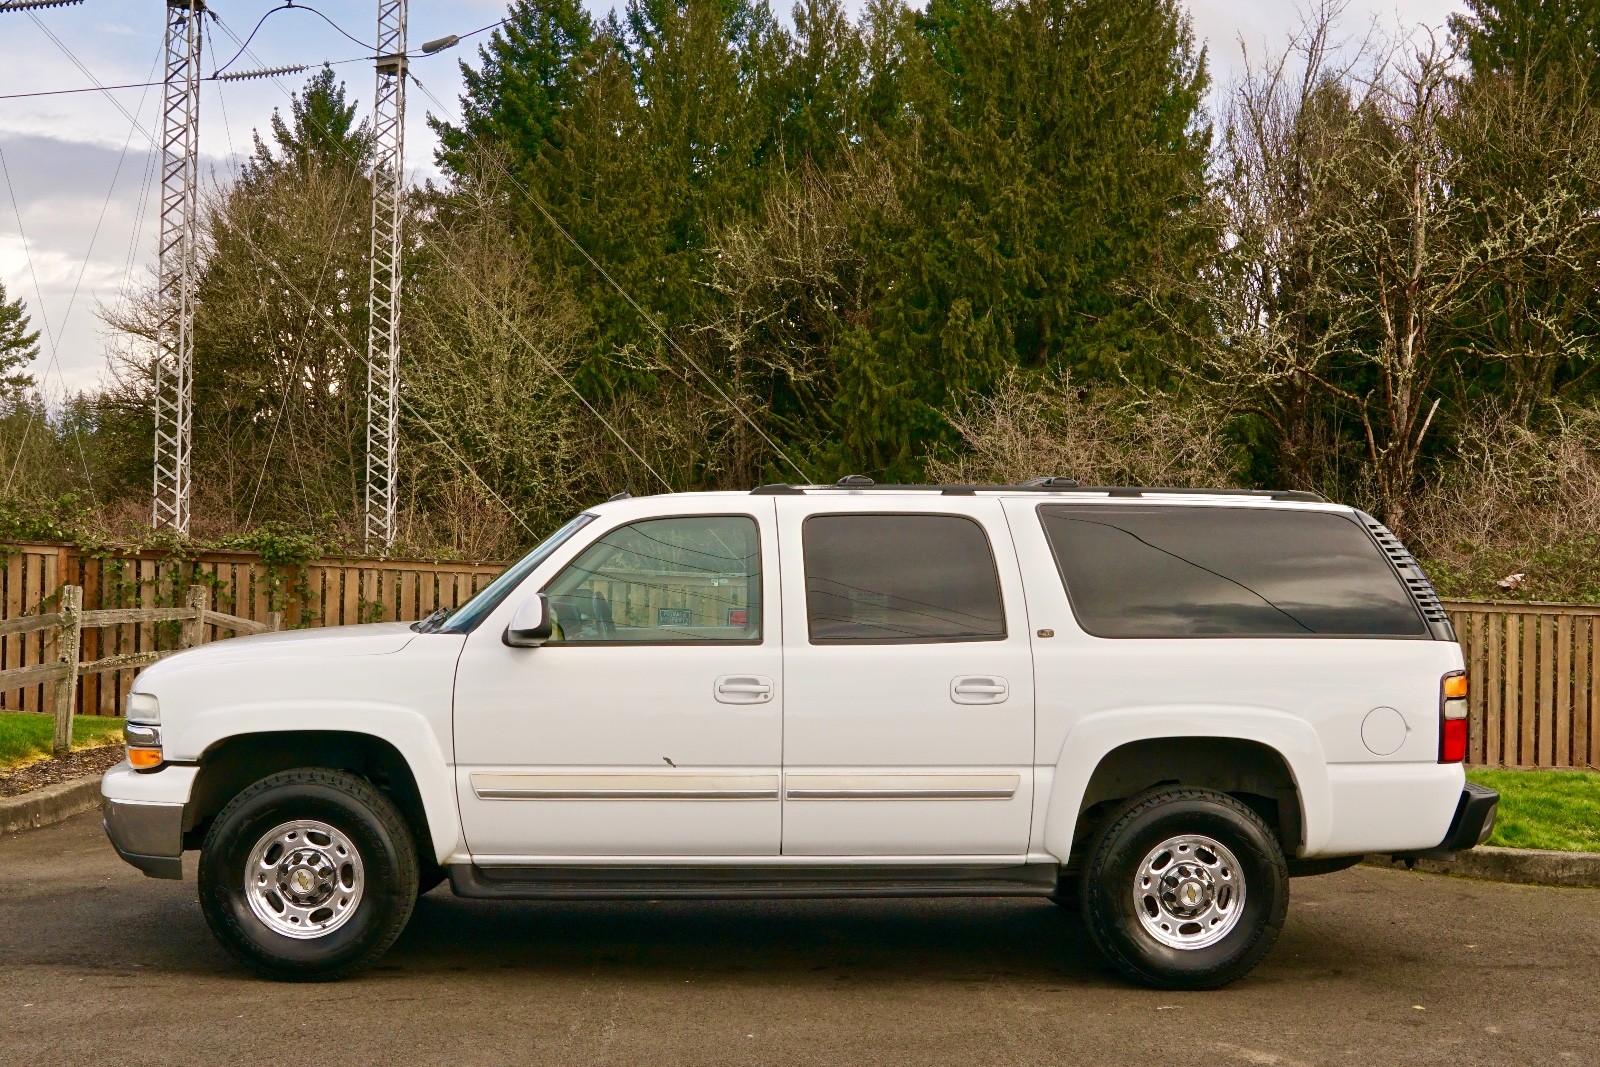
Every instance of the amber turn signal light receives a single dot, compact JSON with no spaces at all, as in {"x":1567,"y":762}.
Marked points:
{"x":1455,"y":685}
{"x":144,"y":759}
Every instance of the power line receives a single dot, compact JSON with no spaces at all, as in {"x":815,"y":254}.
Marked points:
{"x":241,"y":76}
{"x":512,"y":326}
{"x":649,"y":319}
{"x":85,"y":89}
{"x":399,"y":56}
{"x":93,"y":80}
{"x":55,"y":343}
{"x":287,"y":280}
{"x":27,"y":253}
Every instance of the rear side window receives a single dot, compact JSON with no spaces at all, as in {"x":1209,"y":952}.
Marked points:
{"x":1151,"y":571}
{"x":884,"y":579}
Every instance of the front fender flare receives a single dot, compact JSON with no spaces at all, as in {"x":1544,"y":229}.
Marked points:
{"x":404,"y":728}
{"x":1094,"y":737}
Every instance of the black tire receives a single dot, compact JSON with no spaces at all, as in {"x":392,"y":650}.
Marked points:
{"x":370,"y":822}
{"x":1120,"y":846}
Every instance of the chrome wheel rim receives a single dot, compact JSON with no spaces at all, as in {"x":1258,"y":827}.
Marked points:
{"x":1189,"y":892}
{"x":304,"y":879}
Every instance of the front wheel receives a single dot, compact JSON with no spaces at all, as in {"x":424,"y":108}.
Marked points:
{"x":309,"y":874}
{"x":1184,"y":889}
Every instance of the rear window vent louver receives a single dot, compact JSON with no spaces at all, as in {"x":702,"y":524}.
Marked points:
{"x":1410,"y":572}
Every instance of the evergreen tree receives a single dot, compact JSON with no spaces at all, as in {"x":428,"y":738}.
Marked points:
{"x":1536,"y":39}
{"x":824,"y":82}
{"x":19,"y":346}
{"x":593,"y":178}
{"x":532,"y":71}
{"x":1526,"y":130}
{"x":321,"y":131}
{"x":1054,"y":150}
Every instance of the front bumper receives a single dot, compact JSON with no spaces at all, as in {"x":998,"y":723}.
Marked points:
{"x":1471,"y":827}
{"x":147,"y":835}
{"x":144,"y":815}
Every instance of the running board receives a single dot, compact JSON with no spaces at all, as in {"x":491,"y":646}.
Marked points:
{"x":747,"y":883}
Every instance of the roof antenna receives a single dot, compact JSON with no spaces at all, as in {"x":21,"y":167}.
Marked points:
{"x":1052,"y":482}
{"x":854,"y":481}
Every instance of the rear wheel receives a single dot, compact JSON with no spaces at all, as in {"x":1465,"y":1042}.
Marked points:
{"x":1184,"y":889}
{"x":309,"y":874}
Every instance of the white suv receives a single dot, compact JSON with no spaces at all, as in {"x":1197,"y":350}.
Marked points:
{"x":1153,"y":705}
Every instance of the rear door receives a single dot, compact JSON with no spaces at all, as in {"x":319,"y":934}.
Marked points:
{"x":908,"y":703}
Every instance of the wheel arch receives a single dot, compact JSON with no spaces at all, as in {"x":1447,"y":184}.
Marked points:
{"x":1271,"y":761}
{"x":234,"y":762}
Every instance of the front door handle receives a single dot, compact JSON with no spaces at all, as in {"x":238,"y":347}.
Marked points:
{"x":979,"y":689}
{"x":744,"y":689}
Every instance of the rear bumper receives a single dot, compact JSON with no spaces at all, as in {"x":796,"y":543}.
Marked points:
{"x":1471,"y":827}
{"x":147,"y":835}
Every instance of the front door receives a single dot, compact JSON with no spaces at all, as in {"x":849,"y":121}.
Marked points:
{"x":651,"y":724}
{"x":908,"y":704}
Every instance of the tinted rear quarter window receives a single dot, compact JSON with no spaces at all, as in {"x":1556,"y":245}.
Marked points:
{"x":885,"y":579}
{"x":1153,"y":571}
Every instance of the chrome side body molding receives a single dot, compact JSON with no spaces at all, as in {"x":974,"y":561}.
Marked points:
{"x":590,"y":786}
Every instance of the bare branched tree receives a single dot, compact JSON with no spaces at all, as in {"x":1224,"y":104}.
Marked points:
{"x":1101,"y":434}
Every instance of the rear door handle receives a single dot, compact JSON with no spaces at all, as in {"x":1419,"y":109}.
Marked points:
{"x":744,"y":689}
{"x":979,"y":689}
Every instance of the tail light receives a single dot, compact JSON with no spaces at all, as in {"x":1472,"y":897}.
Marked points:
{"x":1453,"y":730}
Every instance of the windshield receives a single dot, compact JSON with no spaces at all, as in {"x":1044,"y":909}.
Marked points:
{"x":468,"y":615}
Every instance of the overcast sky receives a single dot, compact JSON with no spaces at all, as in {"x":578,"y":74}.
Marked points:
{"x":77,"y":223}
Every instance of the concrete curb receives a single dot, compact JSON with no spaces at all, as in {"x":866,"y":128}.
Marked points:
{"x":52,"y":804}
{"x":1524,"y":865}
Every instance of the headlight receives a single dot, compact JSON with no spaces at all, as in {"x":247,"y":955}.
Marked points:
{"x":141,"y":729}
{"x":143,"y":707}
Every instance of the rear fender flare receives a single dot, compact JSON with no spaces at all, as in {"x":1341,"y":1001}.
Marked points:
{"x":1094,"y":737}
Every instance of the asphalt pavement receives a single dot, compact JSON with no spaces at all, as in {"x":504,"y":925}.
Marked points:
{"x":100,"y":966}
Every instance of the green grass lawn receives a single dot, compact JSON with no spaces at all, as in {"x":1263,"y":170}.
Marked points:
{"x":25,"y":736}
{"x":1557,"y":810}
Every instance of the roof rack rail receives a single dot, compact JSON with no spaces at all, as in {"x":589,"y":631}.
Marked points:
{"x":857,"y":482}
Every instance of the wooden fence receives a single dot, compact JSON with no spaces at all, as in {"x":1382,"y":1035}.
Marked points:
{"x":62,"y":632}
{"x":1534,"y":668}
{"x":1533,"y":682}
{"x":327,"y":592}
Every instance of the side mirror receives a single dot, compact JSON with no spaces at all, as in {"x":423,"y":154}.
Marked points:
{"x":532,"y":625}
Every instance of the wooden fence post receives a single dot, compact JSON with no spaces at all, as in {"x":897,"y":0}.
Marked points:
{"x":197,"y":600}
{"x":66,"y":688}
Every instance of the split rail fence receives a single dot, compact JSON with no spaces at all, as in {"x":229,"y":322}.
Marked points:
{"x":1534,"y":668}
{"x":63,"y":629}
{"x":325,"y":592}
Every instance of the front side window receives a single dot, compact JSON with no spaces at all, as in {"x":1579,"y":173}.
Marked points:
{"x":687,"y":579}
{"x":1155,"y":571}
{"x":886,"y":579}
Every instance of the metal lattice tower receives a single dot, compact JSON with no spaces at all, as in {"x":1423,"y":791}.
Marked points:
{"x":383,"y":330}
{"x":180,"y":142}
